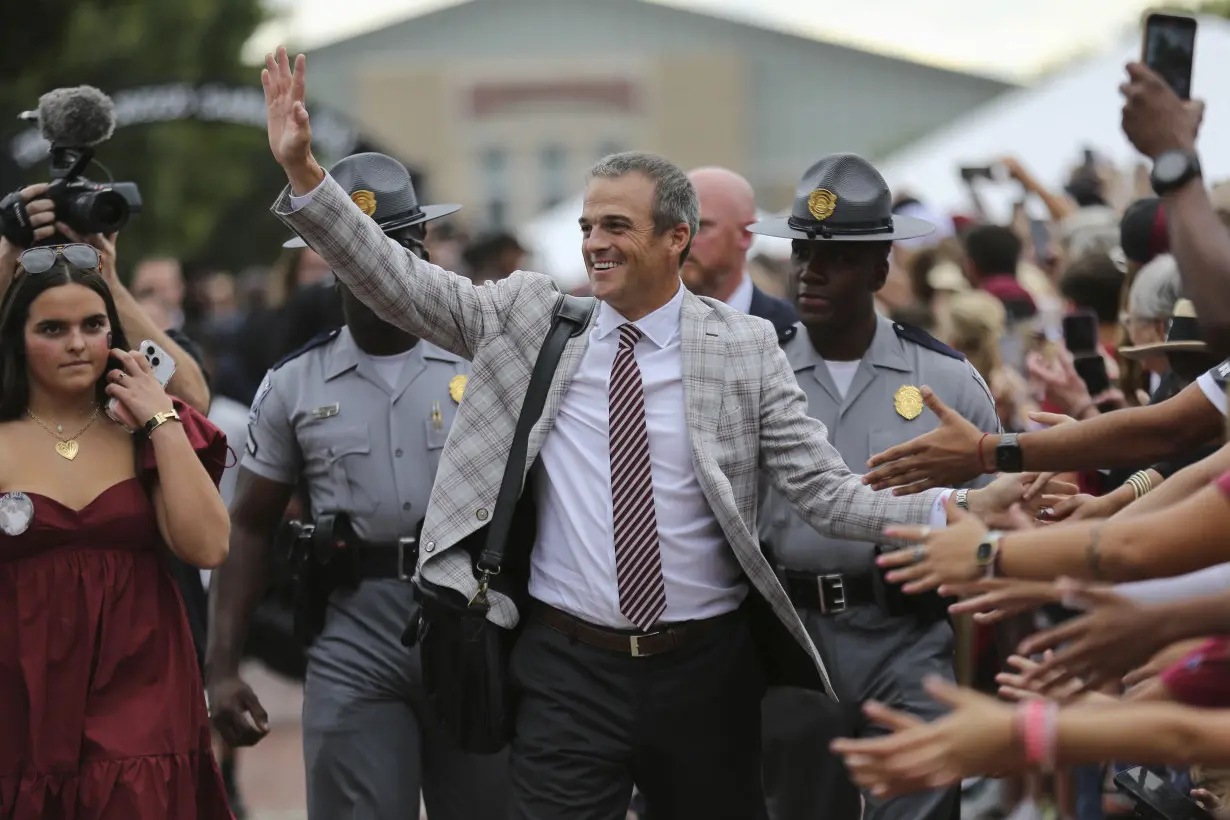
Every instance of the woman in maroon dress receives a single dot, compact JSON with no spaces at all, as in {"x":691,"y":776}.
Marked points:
{"x":101,"y":709}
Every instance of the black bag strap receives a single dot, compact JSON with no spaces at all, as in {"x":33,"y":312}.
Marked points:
{"x":571,"y":316}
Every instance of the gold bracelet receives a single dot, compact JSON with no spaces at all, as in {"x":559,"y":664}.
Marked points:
{"x":159,"y":419}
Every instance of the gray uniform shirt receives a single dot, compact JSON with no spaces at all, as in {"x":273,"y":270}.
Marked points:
{"x":365,"y":448}
{"x":866,"y":422}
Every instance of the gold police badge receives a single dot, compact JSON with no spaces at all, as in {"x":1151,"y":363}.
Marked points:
{"x":908,"y":402}
{"x":366,"y":201}
{"x":457,"y":388}
{"x":822,"y":203}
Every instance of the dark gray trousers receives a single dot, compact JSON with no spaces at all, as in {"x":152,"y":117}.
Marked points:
{"x":370,"y":742}
{"x":871,"y":656}
{"x":683,"y":726}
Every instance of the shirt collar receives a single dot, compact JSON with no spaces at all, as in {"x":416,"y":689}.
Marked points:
{"x":660,"y":327}
{"x":741,"y":299}
{"x":886,"y":349}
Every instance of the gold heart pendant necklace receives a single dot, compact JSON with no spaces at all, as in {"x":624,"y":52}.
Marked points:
{"x":66,"y":447}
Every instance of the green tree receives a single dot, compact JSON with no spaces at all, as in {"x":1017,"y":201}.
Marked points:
{"x":206,"y":186}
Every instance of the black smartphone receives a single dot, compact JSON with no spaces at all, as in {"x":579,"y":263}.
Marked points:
{"x":1041,"y":240}
{"x":1092,"y":369}
{"x":969,"y":173}
{"x":1169,"y":49}
{"x":1156,"y":798}
{"x":1080,"y":332}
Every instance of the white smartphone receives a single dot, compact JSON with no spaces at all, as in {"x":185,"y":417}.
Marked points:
{"x":163,"y":366}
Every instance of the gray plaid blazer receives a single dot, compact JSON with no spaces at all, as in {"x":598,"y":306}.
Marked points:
{"x":745,"y":413}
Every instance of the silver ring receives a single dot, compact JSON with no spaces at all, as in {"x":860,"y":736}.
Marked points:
{"x":120,"y":376}
{"x":919,"y":554}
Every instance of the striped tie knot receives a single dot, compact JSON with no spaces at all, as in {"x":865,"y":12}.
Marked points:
{"x":629,"y":335}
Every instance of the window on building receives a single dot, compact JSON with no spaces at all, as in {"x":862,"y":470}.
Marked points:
{"x":553,"y":168}
{"x":494,"y":169}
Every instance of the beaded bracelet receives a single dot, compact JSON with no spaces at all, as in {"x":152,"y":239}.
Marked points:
{"x":1141,"y":483}
{"x":1037,"y":726}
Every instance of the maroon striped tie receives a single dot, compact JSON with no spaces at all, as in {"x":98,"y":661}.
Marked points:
{"x":638,"y":563}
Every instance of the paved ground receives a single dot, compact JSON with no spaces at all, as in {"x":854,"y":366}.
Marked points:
{"x":271,"y":773}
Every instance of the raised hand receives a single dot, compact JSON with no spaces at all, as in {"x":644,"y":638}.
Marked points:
{"x":139,"y":395}
{"x":290,"y":131}
{"x":1155,"y":120}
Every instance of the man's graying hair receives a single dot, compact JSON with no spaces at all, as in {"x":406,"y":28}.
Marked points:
{"x":674,"y":200}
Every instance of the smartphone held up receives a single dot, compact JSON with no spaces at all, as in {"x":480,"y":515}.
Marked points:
{"x":1169,"y":49}
{"x":163,"y":366}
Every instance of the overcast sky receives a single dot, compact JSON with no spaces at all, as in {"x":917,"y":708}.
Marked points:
{"x":1011,"y":38}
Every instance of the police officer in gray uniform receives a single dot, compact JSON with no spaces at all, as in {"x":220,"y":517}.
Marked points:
{"x":862,"y":374}
{"x":360,"y":416}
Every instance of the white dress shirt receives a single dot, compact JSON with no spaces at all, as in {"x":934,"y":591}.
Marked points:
{"x":572,"y":566}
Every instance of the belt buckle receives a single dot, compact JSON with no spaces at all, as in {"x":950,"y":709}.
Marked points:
{"x":635,"y":645}
{"x":838,"y":587}
{"x":402,"y":543}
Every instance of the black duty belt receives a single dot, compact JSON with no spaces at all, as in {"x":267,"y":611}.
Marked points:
{"x":830,"y":593}
{"x":377,"y":561}
{"x":354,"y":560}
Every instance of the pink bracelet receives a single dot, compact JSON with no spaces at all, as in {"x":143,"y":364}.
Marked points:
{"x":1037,"y":726}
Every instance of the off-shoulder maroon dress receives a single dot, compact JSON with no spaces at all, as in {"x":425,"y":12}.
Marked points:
{"x":102,"y":714}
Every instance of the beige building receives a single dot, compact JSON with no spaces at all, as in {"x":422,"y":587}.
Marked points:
{"x":503,"y":104}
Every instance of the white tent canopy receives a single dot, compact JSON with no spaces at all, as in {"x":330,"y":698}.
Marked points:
{"x":1048,"y":126}
{"x":554,"y":240}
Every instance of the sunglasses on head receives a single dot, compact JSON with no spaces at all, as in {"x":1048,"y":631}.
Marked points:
{"x":40,"y":260}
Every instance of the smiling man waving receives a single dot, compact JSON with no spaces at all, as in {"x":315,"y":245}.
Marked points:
{"x":642,"y":657}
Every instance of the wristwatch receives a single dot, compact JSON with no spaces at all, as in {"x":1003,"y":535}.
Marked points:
{"x":1008,"y":454}
{"x":160,"y":419}
{"x":987,"y":554}
{"x":1172,"y":170}
{"x":961,"y":496}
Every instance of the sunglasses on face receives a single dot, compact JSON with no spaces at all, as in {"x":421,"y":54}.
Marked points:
{"x":40,"y":260}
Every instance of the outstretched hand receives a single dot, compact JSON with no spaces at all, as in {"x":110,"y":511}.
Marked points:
{"x":945,"y":457}
{"x":976,"y":737}
{"x":1113,"y":636}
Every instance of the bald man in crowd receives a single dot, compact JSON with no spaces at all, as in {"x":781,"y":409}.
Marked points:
{"x":717,"y":262}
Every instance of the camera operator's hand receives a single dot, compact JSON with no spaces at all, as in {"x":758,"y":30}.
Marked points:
{"x":290,"y":131}
{"x":105,"y":244}
{"x":41,"y":213}
{"x":1155,"y":120}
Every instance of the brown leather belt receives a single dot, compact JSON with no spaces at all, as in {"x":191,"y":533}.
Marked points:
{"x":633,"y":644}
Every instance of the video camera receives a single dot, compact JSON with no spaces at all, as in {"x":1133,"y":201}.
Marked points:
{"x":73,"y":120}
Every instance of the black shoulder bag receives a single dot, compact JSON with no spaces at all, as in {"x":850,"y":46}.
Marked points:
{"x":464,"y":656}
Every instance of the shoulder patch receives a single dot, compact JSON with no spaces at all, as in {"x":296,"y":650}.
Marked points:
{"x":254,"y":412}
{"x":311,"y":344}
{"x":1221,"y":373}
{"x":920,"y":337}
